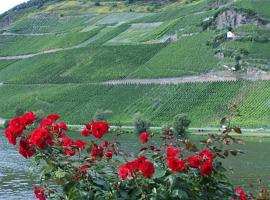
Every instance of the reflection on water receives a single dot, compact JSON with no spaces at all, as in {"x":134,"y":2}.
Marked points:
{"x":15,"y":179}
{"x":16,"y":182}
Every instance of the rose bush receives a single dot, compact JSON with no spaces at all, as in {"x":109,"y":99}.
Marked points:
{"x":94,"y":168}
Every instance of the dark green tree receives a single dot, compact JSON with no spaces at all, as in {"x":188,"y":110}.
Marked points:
{"x":180,"y":123}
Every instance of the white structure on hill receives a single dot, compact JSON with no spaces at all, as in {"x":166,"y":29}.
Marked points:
{"x":230,"y":35}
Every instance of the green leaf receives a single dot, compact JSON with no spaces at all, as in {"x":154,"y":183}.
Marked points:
{"x":159,"y":174}
{"x":180,"y":194}
{"x":60,"y":173}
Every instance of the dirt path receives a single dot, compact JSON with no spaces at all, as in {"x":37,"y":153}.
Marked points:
{"x":26,"y":56}
{"x":208,"y":77}
{"x":28,"y":34}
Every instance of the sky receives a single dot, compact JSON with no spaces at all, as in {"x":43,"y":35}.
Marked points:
{"x":8,"y":4}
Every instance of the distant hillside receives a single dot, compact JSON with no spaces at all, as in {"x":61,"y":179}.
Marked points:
{"x":55,"y":52}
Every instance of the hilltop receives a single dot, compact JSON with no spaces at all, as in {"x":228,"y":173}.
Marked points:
{"x":79,"y":57}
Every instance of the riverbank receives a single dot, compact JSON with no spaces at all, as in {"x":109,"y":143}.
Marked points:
{"x":246,"y":132}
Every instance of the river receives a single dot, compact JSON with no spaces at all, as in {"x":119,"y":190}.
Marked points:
{"x":16,"y":181}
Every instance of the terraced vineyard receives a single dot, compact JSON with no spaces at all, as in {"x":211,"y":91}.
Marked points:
{"x":119,"y":40}
{"x":19,"y":45}
{"x":206,"y":103}
{"x":51,"y":24}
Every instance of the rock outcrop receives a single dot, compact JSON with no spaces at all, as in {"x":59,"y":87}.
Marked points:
{"x":233,"y":18}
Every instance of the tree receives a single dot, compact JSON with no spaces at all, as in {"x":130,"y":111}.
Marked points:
{"x":181,"y":123}
{"x":140,"y":123}
{"x":19,"y":111}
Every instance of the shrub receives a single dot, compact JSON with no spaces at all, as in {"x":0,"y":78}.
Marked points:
{"x":140,"y":123}
{"x":180,"y":124}
{"x":102,"y":115}
{"x":19,"y":111}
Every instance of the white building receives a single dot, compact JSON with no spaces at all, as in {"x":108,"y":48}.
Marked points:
{"x":230,"y":35}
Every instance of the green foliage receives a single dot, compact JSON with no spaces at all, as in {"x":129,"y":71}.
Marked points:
{"x":50,"y":24}
{"x":77,"y":65}
{"x":260,"y":7}
{"x":175,"y":60}
{"x":140,"y":123}
{"x":18,"y":45}
{"x":19,"y":111}
{"x":102,"y":115}
{"x":205,"y":103}
{"x":180,"y":123}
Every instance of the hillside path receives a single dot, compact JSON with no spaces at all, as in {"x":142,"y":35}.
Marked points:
{"x":26,"y":56}
{"x":208,"y":77}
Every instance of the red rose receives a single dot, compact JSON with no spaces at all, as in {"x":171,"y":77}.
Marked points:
{"x":176,"y":165}
{"x":194,"y":161}
{"x":104,"y":144}
{"x":136,"y":163}
{"x":10,"y":136}
{"x":26,"y":149}
{"x":206,"y":168}
{"x":65,"y":141}
{"x":99,"y":129}
{"x":124,"y":172}
{"x":80,"y":144}
{"x":40,"y":193}
{"x":41,"y":138}
{"x":147,"y":169}
{"x":97,"y":151}
{"x":241,"y":193}
{"x":62,"y":125}
{"x":208,"y":155}
{"x":29,"y":118}
{"x":85,"y":132}
{"x":53,"y":117}
{"x":144,"y":137}
{"x":70,"y":151}
{"x":171,"y":152}
{"x":109,"y":153}
{"x":88,"y":126}
{"x":82,"y":169}
{"x":15,"y":128}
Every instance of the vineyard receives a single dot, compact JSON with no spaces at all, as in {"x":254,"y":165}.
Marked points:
{"x":104,"y":63}
{"x":175,"y":60}
{"x":109,"y":40}
{"x":19,"y":45}
{"x":206,"y":103}
{"x":51,"y":24}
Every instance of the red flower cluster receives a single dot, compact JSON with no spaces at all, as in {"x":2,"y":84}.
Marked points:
{"x":139,"y":165}
{"x":82,"y":169}
{"x":26,"y":149}
{"x":144,"y":137}
{"x":241,"y":193}
{"x":98,"y":129}
{"x":203,"y":162}
{"x":40,"y":193}
{"x":69,"y":145}
{"x":41,"y":138}
{"x":17,"y":125}
{"x":171,"y":152}
{"x":97,"y":151}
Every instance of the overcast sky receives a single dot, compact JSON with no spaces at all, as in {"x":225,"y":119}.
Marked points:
{"x":8,"y":4}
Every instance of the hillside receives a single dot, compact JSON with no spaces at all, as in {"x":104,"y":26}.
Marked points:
{"x":58,"y":56}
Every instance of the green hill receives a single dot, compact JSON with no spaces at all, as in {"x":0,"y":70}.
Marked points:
{"x":56,"y":54}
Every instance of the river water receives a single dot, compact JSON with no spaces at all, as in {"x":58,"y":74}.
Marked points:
{"x":16,"y":181}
